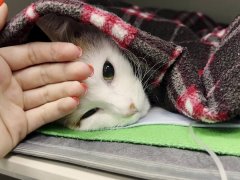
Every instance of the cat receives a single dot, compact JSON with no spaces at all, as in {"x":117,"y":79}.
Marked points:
{"x":115,"y":96}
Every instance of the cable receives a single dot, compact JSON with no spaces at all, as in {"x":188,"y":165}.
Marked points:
{"x":213,"y":155}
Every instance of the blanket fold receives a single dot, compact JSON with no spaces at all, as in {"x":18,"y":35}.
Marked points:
{"x":193,"y":63}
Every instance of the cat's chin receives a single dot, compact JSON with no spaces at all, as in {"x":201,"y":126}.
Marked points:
{"x":103,"y":124}
{"x":105,"y":120}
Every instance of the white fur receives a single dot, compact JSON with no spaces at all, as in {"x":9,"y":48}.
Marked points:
{"x":112,"y":98}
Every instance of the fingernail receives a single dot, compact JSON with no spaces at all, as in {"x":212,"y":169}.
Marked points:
{"x":1,"y":2}
{"x":76,"y":99}
{"x":85,"y":87}
{"x":80,"y":51}
{"x":92,"y":70}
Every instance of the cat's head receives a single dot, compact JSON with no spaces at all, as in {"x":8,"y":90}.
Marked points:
{"x":115,"y":94}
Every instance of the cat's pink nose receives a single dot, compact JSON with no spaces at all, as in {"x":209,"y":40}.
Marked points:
{"x":132,"y":109}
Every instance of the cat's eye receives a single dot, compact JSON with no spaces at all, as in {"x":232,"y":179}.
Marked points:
{"x":108,"y":71}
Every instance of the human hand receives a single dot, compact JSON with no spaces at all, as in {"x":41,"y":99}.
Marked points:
{"x":32,"y":96}
{"x":3,"y":13}
{"x":39,"y":83}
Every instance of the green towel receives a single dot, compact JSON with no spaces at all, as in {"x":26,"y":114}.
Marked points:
{"x":222,"y":141}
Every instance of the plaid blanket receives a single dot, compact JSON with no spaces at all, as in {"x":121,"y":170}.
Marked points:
{"x":192,"y":63}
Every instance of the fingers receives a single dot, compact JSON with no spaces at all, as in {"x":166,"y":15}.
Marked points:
{"x":49,"y":112}
{"x":5,"y":75}
{"x":22,"y":56}
{"x":37,"y":97}
{"x":3,"y":13}
{"x":41,"y":75}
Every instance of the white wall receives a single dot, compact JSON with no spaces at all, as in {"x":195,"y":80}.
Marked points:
{"x":220,"y":10}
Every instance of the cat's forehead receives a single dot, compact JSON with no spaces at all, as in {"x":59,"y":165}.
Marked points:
{"x":99,"y":46}
{"x":93,"y":38}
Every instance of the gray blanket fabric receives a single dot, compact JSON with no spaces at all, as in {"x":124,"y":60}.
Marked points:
{"x":139,"y":161}
{"x":193,"y":63}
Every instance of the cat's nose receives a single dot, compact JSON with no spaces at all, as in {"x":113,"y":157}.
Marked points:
{"x":132,"y":109}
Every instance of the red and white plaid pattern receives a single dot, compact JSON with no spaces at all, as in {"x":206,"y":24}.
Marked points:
{"x":172,"y":58}
{"x":190,"y":103}
{"x":193,"y":62}
{"x":214,"y":37}
{"x":138,"y":13}
{"x":111,"y":24}
{"x":31,"y":13}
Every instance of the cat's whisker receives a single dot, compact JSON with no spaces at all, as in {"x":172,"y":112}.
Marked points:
{"x":136,"y":64}
{"x":140,"y":71}
{"x":151,"y":75}
{"x":152,"y":68}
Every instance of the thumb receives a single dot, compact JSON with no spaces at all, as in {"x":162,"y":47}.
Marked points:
{"x":3,"y":13}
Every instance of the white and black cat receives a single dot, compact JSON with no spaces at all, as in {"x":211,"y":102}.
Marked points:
{"x":115,"y":95}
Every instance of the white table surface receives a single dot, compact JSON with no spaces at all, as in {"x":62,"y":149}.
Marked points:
{"x":27,"y":167}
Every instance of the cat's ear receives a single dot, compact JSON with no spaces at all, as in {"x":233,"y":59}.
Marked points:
{"x":58,"y":28}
